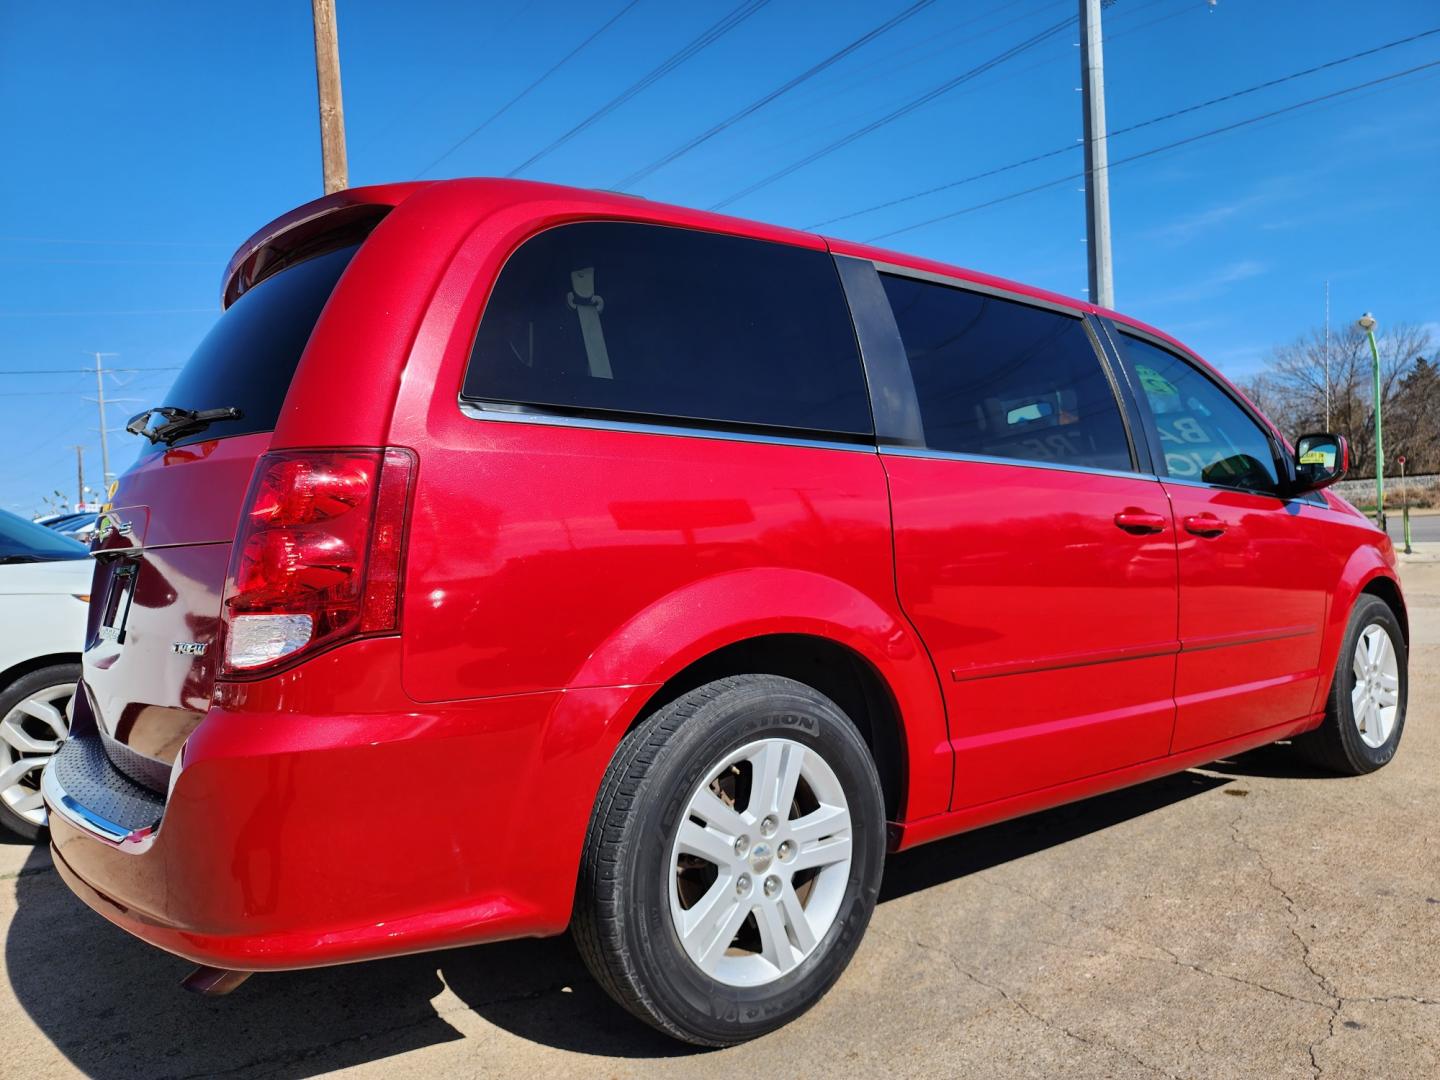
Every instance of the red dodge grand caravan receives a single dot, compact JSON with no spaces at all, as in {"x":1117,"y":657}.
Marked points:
{"x":669,"y":570}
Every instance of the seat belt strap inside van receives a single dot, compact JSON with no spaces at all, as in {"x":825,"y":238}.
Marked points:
{"x":588,"y":307}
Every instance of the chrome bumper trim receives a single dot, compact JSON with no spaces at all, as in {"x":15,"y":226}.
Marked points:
{"x":60,"y":804}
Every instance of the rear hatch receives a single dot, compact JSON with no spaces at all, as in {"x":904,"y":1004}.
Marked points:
{"x":162,"y":552}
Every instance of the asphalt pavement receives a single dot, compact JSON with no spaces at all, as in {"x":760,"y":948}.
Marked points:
{"x":1249,"y":919}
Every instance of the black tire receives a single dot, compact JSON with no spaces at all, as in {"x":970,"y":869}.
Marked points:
{"x":1336,"y":744}
{"x":12,"y":695}
{"x":623,"y":925}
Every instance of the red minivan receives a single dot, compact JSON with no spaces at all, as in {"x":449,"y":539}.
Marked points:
{"x":512,"y":557}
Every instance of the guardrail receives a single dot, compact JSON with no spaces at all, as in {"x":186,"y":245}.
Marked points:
{"x":1364,"y":490}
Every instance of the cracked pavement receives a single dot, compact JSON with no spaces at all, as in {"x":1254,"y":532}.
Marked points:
{"x":1248,"y":919}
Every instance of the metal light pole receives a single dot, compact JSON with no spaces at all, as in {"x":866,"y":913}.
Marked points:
{"x":1366,"y":322}
{"x":1097,"y":163}
{"x":1405,"y":505}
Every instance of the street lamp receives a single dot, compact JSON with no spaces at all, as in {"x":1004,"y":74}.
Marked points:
{"x":1366,"y":322}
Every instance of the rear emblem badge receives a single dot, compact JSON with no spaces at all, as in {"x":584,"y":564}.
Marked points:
{"x":189,"y":648}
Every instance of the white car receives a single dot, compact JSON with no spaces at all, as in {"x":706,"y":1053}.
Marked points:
{"x":44,"y":597}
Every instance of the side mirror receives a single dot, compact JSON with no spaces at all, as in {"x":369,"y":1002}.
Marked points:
{"x":1320,"y":460}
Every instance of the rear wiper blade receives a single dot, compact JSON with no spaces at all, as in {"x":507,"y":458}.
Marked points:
{"x":177,"y":421}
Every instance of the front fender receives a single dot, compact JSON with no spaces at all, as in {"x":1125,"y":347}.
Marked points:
{"x":1366,"y":564}
{"x":664,"y":638}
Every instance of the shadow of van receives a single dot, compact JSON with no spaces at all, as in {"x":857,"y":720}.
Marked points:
{"x":113,"y":1007}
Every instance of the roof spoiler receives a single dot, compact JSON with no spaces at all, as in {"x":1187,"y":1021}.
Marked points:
{"x":336,"y":221}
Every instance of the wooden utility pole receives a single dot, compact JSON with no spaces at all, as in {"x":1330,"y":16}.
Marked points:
{"x":79,"y":475}
{"x":332,"y":109}
{"x":1097,"y":169}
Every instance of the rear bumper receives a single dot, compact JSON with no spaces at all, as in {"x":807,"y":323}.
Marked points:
{"x":298,"y":837}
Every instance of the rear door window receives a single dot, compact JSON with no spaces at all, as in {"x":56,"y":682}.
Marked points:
{"x":250,"y":355}
{"x":999,"y":378}
{"x":1204,"y":432}
{"x":649,"y":323}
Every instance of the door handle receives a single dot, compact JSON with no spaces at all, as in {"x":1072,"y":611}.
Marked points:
{"x":1207,"y":525}
{"x":1134,"y":520}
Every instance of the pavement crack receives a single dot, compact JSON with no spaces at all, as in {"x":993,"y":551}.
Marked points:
{"x":1019,"y":1003}
{"x":1336,"y":1002}
{"x":1170,"y":956}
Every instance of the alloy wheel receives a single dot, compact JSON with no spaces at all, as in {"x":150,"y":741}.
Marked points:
{"x":760,"y":862}
{"x":1375,"y":697}
{"x":30,"y":733}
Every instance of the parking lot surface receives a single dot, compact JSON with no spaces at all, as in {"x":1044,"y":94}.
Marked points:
{"x":1251,"y":918}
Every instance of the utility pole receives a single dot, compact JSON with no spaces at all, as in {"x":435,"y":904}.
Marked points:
{"x":332,"y":109}
{"x":79,"y":474}
{"x":104,"y":435}
{"x":1097,"y":167}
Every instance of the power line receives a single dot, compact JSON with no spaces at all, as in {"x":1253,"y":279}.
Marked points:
{"x":904,"y":110}
{"x":1068,"y":147}
{"x":869,"y":70}
{"x":1159,"y":149}
{"x":759,"y":103}
{"x":81,"y":371}
{"x":114,"y":243}
{"x":737,"y":16}
{"x":523,"y":93}
{"x":139,"y":311}
{"x":1011,"y":74}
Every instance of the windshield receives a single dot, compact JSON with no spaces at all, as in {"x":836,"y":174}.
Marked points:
{"x":250,"y":355}
{"x":24,"y":541}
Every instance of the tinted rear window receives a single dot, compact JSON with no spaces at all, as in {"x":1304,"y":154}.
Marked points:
{"x":249,"y":357}
{"x":999,"y":378}
{"x":650,"y":322}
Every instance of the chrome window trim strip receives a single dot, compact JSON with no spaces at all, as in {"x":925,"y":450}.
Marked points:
{"x":1301,"y":497}
{"x":986,"y":459}
{"x":130,"y":841}
{"x":477,"y":412}
{"x":975,"y":286}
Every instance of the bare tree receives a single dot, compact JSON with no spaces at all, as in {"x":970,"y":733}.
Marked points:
{"x":1292,"y":387}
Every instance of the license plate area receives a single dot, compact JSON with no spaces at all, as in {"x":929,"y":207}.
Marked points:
{"x":118,"y":598}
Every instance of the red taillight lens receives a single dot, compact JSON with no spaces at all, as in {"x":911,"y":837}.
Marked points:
{"x":318,"y":558}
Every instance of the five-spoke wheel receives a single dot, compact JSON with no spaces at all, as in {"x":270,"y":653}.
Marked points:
{"x":761,"y":859}
{"x":1365,"y":713}
{"x":733,"y":859}
{"x":34,"y":720}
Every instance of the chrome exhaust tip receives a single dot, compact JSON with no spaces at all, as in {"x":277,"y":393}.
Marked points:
{"x":212,"y":981}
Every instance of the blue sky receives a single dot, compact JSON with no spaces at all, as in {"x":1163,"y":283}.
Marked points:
{"x":145,"y":141}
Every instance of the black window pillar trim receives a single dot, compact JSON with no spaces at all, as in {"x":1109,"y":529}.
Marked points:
{"x":1139,"y":423}
{"x":893,"y":402}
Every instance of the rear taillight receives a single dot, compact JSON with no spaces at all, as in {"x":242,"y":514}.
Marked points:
{"x":318,"y":555}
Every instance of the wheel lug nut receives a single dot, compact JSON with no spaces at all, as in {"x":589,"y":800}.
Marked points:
{"x":769,"y":825}
{"x":772,"y":886}
{"x":742,"y":845}
{"x":742,"y":885}
{"x":785,"y":850}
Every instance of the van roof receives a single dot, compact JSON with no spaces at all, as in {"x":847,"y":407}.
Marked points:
{"x":471,"y":199}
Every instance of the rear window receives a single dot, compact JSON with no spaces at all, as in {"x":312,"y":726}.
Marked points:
{"x":648,"y":322}
{"x":998,"y":378}
{"x":249,"y":357}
